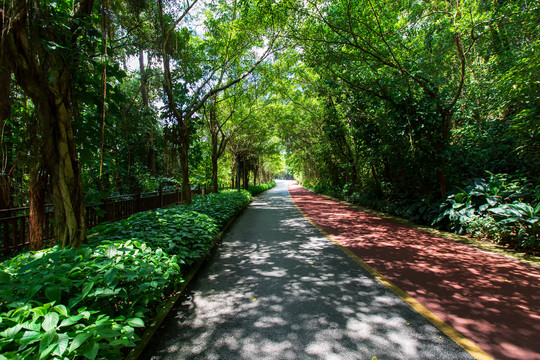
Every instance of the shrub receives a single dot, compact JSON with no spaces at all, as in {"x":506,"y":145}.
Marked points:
{"x":176,"y":230}
{"x":92,"y":302}
{"x":257,"y":189}
{"x":220,"y":206}
{"x":77,"y":302}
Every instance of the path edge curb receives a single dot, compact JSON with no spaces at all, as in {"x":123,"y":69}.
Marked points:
{"x":164,"y":310}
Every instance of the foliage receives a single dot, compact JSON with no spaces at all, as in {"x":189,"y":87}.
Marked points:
{"x":257,"y":189}
{"x":495,"y":209}
{"x":220,"y":206}
{"x":522,"y":219}
{"x":176,"y":230}
{"x":80,"y":302}
{"x":92,"y":302}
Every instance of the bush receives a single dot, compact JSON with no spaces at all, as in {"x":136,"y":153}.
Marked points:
{"x":175,"y":230}
{"x":75,"y":303}
{"x":499,"y":208}
{"x":94,"y":301}
{"x":220,"y":206}
{"x":257,"y":189}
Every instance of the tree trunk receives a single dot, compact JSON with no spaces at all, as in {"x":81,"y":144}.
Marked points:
{"x":38,"y":185}
{"x":60,"y":157}
{"x":215,"y":183}
{"x":233,"y":173}
{"x":184,"y":166}
{"x":5,"y":132}
{"x":215,"y":156}
{"x":255,"y":174}
{"x":146,"y":103}
{"x":246,"y":176}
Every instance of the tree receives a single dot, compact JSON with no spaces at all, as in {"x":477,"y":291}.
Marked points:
{"x":373,"y":48}
{"x":215,"y":77}
{"x":41,"y":40}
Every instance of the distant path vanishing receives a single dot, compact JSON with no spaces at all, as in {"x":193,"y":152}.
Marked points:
{"x":278,"y":289}
{"x":490,"y":299}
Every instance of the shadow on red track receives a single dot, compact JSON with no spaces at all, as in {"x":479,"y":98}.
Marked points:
{"x":491,"y":299}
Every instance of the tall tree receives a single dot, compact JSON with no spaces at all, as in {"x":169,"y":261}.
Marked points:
{"x":41,"y":40}
{"x":228,"y":45}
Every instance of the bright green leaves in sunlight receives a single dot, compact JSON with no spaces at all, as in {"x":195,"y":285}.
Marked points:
{"x":94,"y":301}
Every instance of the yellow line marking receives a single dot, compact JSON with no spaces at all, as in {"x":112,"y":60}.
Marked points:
{"x":448,"y":330}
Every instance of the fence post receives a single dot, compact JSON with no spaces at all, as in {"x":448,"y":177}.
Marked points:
{"x":160,"y":196}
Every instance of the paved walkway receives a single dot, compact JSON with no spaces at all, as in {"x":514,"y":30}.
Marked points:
{"x":491,"y":299}
{"x":278,"y":289}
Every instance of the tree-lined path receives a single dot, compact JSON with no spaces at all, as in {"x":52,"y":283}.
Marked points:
{"x":490,"y":298}
{"x":278,"y":289}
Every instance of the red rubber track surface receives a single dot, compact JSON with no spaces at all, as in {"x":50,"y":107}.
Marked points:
{"x":491,"y":299}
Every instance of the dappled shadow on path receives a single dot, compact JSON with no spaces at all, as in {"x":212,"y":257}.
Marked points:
{"x":278,"y":289}
{"x":490,"y":298}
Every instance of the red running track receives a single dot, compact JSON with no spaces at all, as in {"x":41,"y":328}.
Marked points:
{"x":491,"y":299}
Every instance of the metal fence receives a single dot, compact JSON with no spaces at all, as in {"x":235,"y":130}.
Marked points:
{"x":14,"y":225}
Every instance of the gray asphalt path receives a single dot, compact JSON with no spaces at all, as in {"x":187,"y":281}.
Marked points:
{"x":278,"y":289}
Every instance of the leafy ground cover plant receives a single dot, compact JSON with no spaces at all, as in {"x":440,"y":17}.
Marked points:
{"x":176,"y":230}
{"x":257,"y":189}
{"x":93,"y":302}
{"x":78,"y":303}
{"x":221,"y":206}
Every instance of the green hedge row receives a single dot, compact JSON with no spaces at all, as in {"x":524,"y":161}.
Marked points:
{"x":257,"y":189}
{"x":94,"y":302}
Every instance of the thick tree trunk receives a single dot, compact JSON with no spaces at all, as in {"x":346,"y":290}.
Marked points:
{"x":60,"y":157}
{"x":38,"y":185}
{"x":45,"y":75}
{"x":5,"y":130}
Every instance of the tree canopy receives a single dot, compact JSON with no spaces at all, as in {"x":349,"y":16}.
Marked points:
{"x":395,"y":104}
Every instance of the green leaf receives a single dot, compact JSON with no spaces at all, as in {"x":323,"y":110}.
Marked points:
{"x":32,"y":325}
{"x":46,"y":340}
{"x":71,"y":320}
{"x":30,"y":337}
{"x":91,"y":350}
{"x":78,"y":341}
{"x":5,"y":278}
{"x":108,"y":333}
{"x":45,"y":353}
{"x":63,"y":341}
{"x":50,"y":321}
{"x":54,"y":293}
{"x":135,"y":322}
{"x":111,"y":251}
{"x":110,"y":275}
{"x":62,"y":310}
{"x":86,"y":288}
{"x":11,"y":332}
